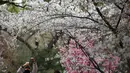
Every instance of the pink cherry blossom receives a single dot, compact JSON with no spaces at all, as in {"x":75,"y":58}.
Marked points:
{"x":75,"y":61}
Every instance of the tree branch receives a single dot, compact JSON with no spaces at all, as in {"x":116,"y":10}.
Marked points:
{"x":67,"y":15}
{"x":103,"y":18}
{"x":12,"y":3}
{"x":26,"y":43}
{"x":42,"y":22}
{"x":120,"y":16}
{"x":118,"y":6}
{"x":87,"y":54}
{"x":21,"y":40}
{"x":55,"y":38}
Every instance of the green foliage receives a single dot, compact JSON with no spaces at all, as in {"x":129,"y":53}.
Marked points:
{"x":13,"y":9}
{"x":47,"y":0}
{"x":99,"y":3}
{"x":48,"y":60}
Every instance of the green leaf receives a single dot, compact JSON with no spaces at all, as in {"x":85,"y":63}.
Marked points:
{"x":13,"y":9}
{"x":99,"y":3}
{"x":47,"y":0}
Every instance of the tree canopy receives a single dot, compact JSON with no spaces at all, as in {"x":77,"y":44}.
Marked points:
{"x":40,"y":27}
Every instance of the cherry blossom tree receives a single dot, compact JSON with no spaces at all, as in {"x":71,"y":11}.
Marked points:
{"x":104,"y":21}
{"x":75,"y":61}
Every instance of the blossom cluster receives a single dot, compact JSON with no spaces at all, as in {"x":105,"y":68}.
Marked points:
{"x":75,"y":61}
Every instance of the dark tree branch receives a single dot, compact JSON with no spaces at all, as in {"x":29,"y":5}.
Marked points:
{"x":128,"y":62}
{"x":118,"y":22}
{"x":42,"y":22}
{"x":84,"y":27}
{"x":67,"y":15}
{"x":120,"y":16}
{"x":118,"y":6}
{"x":55,"y":38}
{"x":103,"y":18}
{"x":26,"y":43}
{"x":12,"y":3}
{"x":87,"y":54}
